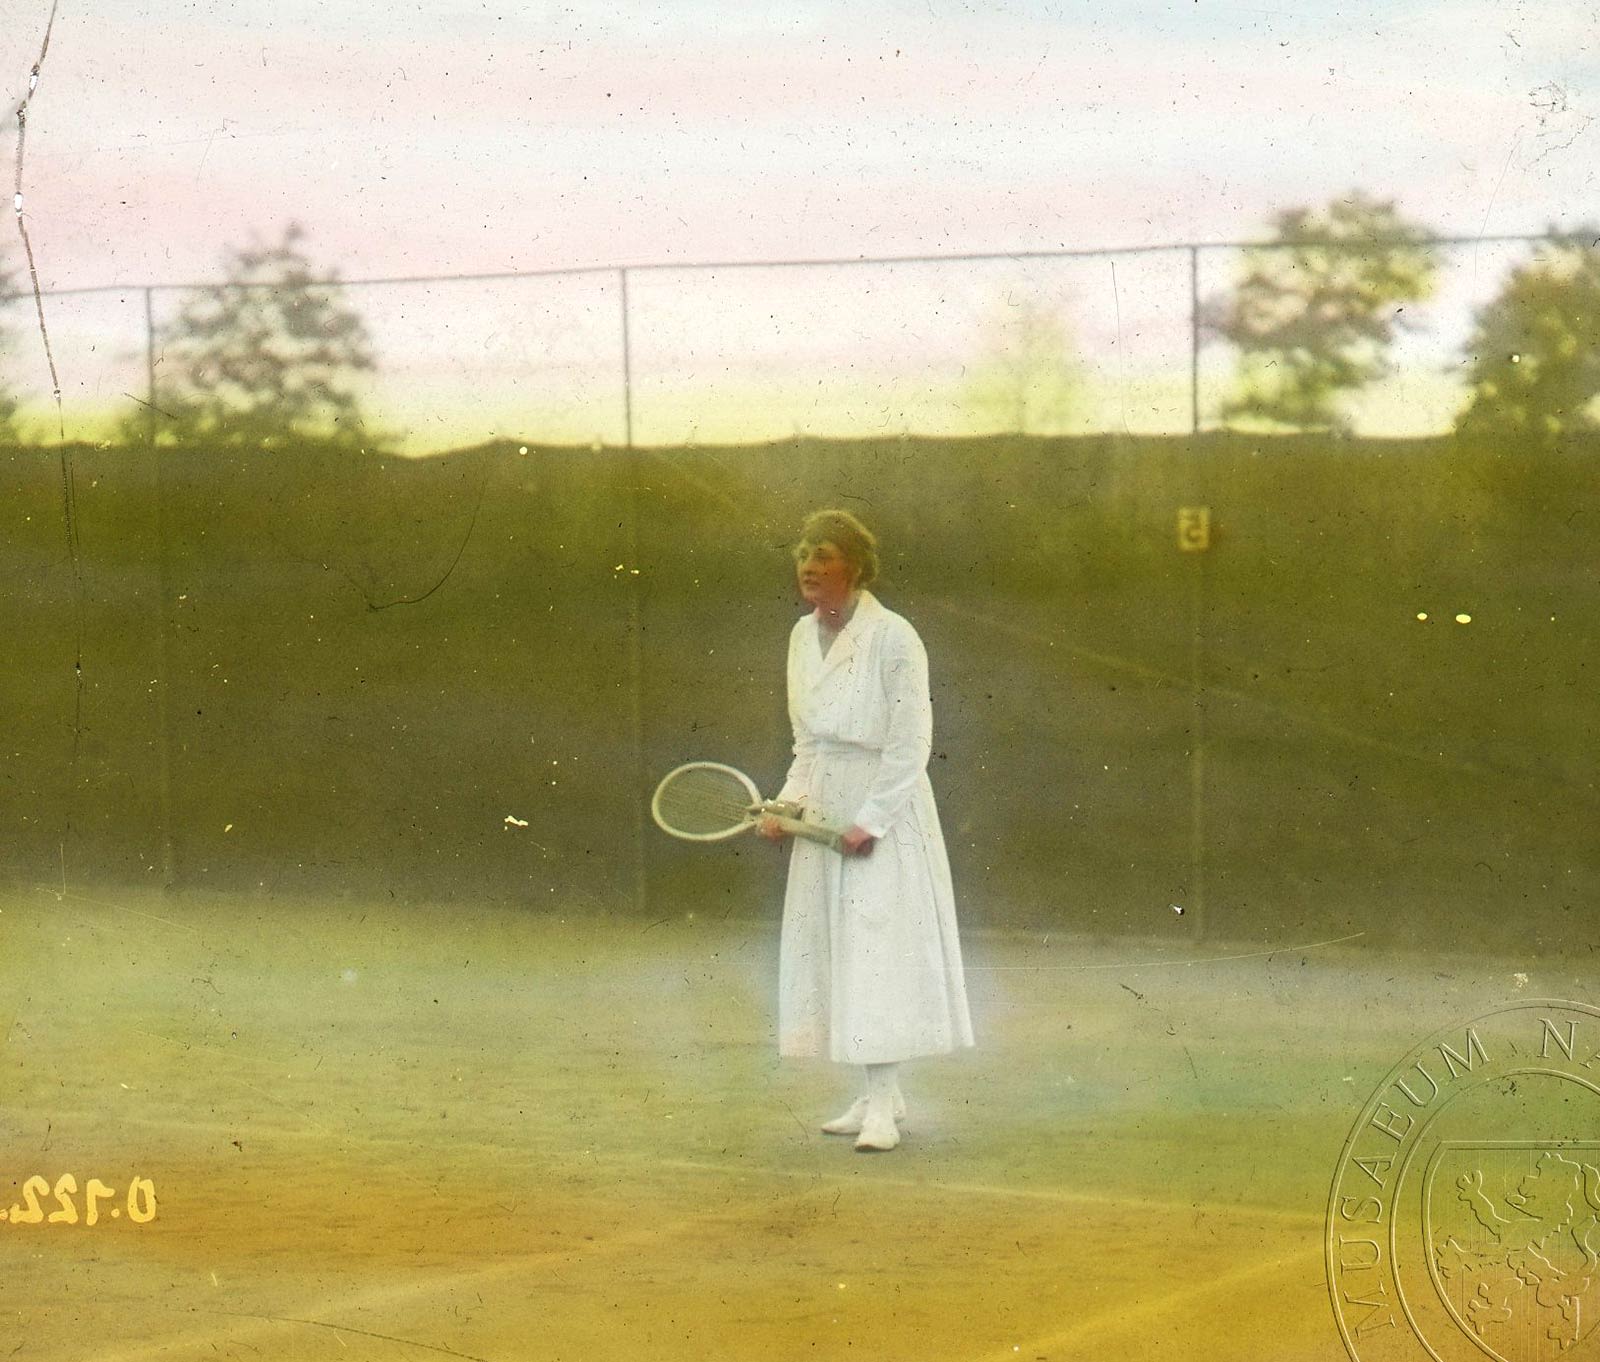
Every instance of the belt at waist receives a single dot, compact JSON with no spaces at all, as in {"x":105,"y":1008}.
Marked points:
{"x":833,"y":747}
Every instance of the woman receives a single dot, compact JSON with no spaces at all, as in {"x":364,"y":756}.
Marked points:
{"x":870,"y":964}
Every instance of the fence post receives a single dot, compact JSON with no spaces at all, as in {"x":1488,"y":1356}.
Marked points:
{"x":1197,"y":747}
{"x":638,"y":786}
{"x":169,"y":866}
{"x":627,"y":365}
{"x":1197,"y":648}
{"x":1194,"y":340}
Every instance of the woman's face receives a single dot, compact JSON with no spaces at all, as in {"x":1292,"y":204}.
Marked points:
{"x":824,"y":575}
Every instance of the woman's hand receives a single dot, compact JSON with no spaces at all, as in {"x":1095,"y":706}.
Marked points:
{"x":857,"y":842}
{"x":770,"y":828}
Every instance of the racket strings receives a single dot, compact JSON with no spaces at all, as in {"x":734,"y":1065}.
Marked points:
{"x":698,"y":804}
{"x":730,"y":810}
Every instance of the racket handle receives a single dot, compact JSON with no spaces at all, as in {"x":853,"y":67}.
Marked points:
{"x":813,"y":832}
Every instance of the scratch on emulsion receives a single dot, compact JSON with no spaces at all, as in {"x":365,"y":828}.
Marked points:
{"x":347,"y":1329}
{"x":68,"y":488}
{"x":1122,"y":373}
{"x":16,"y":204}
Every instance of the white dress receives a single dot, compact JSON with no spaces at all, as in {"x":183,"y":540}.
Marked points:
{"x":870,"y":963}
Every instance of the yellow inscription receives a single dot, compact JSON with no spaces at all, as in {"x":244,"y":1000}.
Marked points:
{"x":138,"y":1203}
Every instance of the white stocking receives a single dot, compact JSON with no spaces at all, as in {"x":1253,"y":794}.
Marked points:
{"x":883,"y":1082}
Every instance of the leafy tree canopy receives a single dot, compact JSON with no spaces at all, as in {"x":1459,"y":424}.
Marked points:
{"x":1535,"y":351}
{"x":1026,"y":378}
{"x":1314,"y":312}
{"x":270,"y":357}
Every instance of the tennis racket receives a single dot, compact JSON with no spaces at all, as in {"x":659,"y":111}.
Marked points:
{"x":705,"y":801}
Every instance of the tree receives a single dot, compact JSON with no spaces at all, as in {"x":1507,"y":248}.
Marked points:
{"x":267,"y":358}
{"x":1315,"y":311}
{"x":1026,"y":378}
{"x":1535,"y":350}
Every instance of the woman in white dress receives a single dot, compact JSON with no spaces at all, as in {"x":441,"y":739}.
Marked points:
{"x":870,"y":963}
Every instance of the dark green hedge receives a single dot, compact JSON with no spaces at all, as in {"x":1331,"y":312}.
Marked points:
{"x":358,"y":668}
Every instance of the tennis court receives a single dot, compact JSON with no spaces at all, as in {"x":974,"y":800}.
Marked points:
{"x":379,"y":1131}
{"x":432,"y":1046}
{"x":407,"y":418}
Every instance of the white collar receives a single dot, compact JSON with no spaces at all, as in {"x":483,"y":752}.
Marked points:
{"x":867,"y":606}
{"x":861,"y":622}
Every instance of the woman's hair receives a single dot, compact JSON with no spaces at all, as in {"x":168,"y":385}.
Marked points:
{"x":853,"y":539}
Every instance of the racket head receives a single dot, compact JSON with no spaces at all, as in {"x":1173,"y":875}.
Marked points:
{"x":704,"y":801}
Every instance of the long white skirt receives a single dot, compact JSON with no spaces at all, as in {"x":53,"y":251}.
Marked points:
{"x":870,"y":964}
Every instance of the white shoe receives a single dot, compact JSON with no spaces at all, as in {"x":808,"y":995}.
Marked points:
{"x":849,"y":1121}
{"x":879,"y":1134}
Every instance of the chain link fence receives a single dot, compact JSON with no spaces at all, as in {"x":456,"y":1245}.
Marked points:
{"x":1043,"y":343}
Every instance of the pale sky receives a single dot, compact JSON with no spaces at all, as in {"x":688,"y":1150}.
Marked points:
{"x":443,"y":137}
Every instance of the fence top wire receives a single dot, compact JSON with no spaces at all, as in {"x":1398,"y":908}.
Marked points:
{"x":819,"y":262}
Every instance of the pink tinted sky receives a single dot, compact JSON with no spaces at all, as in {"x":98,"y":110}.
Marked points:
{"x":452,"y":137}
{"x":457,"y":137}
